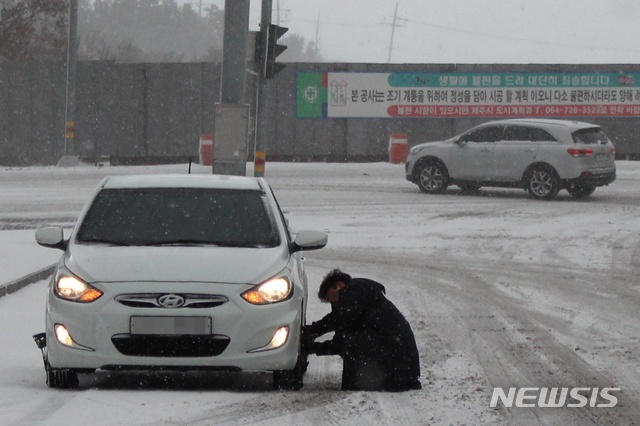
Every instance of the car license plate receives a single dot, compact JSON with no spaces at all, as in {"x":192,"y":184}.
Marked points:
{"x":170,"y":325}
{"x":602,"y":156}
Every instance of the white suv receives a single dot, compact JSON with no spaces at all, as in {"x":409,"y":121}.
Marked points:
{"x":178,"y":272}
{"x":541,"y":156}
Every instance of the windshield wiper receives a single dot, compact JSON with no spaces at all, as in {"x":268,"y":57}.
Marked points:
{"x":105,"y":241}
{"x":186,"y":242}
{"x":239,"y":244}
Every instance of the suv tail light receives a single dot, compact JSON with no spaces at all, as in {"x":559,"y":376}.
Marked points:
{"x":580,"y":152}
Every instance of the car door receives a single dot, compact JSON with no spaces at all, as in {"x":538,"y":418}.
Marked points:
{"x":471,"y":156}
{"x":516,"y":150}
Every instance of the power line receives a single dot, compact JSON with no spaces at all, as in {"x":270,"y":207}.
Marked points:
{"x":474,"y":34}
{"x":337,"y":24}
{"x":517,"y":39}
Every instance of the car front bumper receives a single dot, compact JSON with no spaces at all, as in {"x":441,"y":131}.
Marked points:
{"x":239,"y":330}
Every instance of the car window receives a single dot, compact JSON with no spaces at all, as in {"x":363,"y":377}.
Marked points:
{"x":523,"y":133}
{"x":179,"y":215}
{"x":485,"y":134}
{"x":590,"y":136}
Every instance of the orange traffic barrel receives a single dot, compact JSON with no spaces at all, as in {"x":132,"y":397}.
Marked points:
{"x":206,"y":150}
{"x":398,"y":148}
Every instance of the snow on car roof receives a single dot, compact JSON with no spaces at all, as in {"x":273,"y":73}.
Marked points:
{"x":571,"y":124}
{"x":184,"y":181}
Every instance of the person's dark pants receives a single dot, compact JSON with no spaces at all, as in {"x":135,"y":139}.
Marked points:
{"x":362,"y":360}
{"x":367,"y":365}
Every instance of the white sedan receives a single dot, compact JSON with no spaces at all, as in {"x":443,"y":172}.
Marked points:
{"x":178,"y":272}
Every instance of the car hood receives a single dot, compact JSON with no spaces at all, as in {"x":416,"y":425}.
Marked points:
{"x":180,"y":264}
{"x":434,"y":144}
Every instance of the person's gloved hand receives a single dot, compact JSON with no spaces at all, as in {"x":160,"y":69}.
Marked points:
{"x":307,"y":339}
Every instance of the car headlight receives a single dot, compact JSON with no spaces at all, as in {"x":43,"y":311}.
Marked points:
{"x":271,"y":291}
{"x":69,"y":287}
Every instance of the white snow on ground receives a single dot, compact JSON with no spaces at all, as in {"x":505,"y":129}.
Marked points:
{"x":501,"y":290}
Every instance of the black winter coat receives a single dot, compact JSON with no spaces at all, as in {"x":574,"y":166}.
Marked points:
{"x":364,"y":310}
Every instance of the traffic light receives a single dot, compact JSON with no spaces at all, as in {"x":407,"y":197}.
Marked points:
{"x":274,"y":49}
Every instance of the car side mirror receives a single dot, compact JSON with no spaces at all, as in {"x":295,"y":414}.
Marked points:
{"x":309,"y":240}
{"x":52,"y":237}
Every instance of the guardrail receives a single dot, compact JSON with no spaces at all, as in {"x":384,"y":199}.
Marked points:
{"x":34,"y":277}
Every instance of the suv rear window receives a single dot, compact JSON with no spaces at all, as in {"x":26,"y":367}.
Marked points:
{"x":157,"y":216}
{"x":590,"y":136}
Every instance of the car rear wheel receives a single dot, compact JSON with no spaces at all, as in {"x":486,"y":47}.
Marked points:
{"x":543,"y":183}
{"x":432,"y":178}
{"x":62,"y":379}
{"x":581,"y":191}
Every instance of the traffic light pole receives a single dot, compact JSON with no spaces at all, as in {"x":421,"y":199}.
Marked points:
{"x":261,"y":132}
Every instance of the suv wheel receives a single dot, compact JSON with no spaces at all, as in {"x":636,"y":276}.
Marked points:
{"x":543,"y":183}
{"x":432,"y":178}
{"x":581,"y":191}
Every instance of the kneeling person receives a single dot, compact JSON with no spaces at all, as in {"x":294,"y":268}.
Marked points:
{"x":375,"y":341}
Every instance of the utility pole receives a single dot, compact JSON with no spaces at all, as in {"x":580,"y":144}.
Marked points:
{"x":231,"y":118}
{"x":234,"y":51}
{"x":69,"y":157}
{"x":394,"y":24}
{"x":393,"y":31}
{"x":317,"y":31}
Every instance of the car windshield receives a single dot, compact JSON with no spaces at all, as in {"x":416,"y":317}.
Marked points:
{"x":590,"y":136}
{"x":179,"y":216}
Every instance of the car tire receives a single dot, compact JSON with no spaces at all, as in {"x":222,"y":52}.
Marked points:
{"x":581,"y":190}
{"x":62,"y":379}
{"x":542,"y":183}
{"x":291,"y":379}
{"x":432,"y":177}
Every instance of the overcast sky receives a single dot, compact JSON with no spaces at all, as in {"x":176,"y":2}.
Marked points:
{"x":463,"y":31}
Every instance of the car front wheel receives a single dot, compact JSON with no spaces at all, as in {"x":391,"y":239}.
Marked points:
{"x":290,"y":379}
{"x":543,"y":183}
{"x":581,"y":191}
{"x":432,"y":178}
{"x":62,"y":379}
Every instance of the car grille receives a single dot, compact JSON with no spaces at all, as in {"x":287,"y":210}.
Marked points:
{"x":151,"y":300}
{"x":170,"y":346}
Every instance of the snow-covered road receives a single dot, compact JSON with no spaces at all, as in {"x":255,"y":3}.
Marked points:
{"x":501,"y":290}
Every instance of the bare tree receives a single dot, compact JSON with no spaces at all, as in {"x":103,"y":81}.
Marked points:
{"x":33,"y":29}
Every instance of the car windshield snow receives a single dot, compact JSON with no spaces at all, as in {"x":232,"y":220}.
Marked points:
{"x":179,"y":216}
